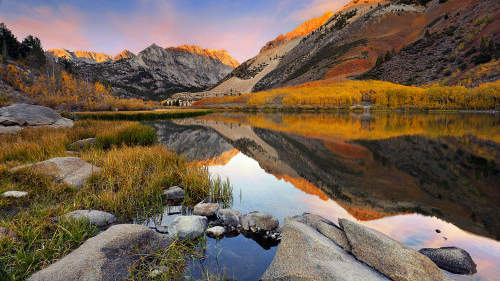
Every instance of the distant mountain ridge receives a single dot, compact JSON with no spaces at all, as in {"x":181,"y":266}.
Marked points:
{"x":157,"y":72}
{"x":221,"y":55}
{"x":80,"y":56}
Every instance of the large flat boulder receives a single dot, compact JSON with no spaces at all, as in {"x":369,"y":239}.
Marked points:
{"x":305,"y":254}
{"x":23,"y":115}
{"x":69,"y":170}
{"x":452,"y":259}
{"x":388,"y":256}
{"x":325,"y":227}
{"x":188,"y":227}
{"x":105,"y":256}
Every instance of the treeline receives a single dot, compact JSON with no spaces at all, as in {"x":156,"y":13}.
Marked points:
{"x":63,"y":91}
{"x":30,"y":49}
{"x":49,"y":82}
{"x":380,"y":94}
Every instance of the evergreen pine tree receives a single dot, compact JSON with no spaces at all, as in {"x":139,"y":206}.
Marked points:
{"x":4,"y":51}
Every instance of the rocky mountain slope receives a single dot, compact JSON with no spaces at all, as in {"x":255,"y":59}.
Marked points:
{"x":80,"y":56}
{"x":245,"y":76}
{"x":156,"y":72}
{"x":403,"y":41}
{"x":125,"y":54}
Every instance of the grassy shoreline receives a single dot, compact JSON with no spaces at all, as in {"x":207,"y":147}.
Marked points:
{"x":137,"y":115}
{"x":305,"y":109}
{"x":135,"y":170}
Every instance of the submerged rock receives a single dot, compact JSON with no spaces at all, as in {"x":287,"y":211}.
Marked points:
{"x":95,"y":217}
{"x":216,"y":231}
{"x":388,"y":256}
{"x":174,"y":193}
{"x":83,"y":144}
{"x":69,"y":170}
{"x":230,"y":217}
{"x":14,"y":194}
{"x":206,"y":209}
{"x":188,"y":227}
{"x":106,"y":256}
{"x":452,"y":259}
{"x":21,"y":115}
{"x":305,"y":254}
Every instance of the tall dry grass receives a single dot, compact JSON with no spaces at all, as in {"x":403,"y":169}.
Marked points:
{"x":134,"y":173}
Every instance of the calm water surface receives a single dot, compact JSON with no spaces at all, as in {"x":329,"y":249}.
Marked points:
{"x":426,"y":180}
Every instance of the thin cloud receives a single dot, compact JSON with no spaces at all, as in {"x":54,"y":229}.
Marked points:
{"x":58,"y":28}
{"x":224,"y":25}
{"x":317,"y":8}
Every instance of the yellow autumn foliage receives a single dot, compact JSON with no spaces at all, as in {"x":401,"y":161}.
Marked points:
{"x":324,"y":94}
{"x":67,"y":92}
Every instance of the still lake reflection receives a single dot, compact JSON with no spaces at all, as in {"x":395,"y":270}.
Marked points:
{"x":406,"y":175}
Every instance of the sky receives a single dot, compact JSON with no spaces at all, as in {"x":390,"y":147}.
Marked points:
{"x":240,"y":27}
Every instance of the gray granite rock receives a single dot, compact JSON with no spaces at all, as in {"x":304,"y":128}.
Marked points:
{"x":174,"y":193}
{"x":388,"y":256}
{"x":206,"y":209}
{"x":106,"y":256}
{"x":188,"y":227}
{"x":305,"y":254}
{"x":335,"y":234}
{"x":69,"y":170}
{"x":14,"y":194}
{"x":452,"y":259}
{"x":258,"y":222}
{"x":230,"y":217}
{"x":83,"y":144}
{"x":95,"y":217}
{"x":21,"y":115}
{"x":216,"y":231}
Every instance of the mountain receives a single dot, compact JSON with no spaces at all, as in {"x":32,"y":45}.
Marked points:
{"x":125,"y":54}
{"x":156,"y":72}
{"x":410,"y":42}
{"x":215,"y":54}
{"x":80,"y":56}
{"x":88,"y":56}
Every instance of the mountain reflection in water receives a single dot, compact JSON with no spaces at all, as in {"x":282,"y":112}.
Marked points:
{"x":403,"y":174}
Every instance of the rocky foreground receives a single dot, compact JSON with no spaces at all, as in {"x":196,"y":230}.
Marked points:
{"x":311,"y":248}
{"x":13,"y":118}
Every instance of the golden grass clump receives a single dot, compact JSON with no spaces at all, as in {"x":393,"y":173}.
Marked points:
{"x":133,"y":179}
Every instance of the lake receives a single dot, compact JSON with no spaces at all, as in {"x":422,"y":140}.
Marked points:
{"x":426,"y":180}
